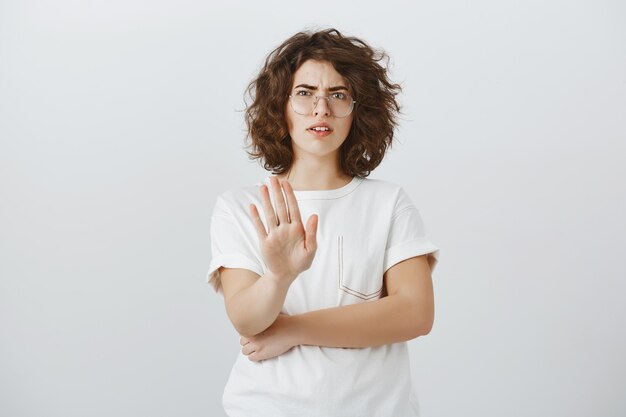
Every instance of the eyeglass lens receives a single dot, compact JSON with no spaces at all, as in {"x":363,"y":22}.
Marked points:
{"x":340,"y":105}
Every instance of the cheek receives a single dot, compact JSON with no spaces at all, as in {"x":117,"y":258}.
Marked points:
{"x":346,"y":127}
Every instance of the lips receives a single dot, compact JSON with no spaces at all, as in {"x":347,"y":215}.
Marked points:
{"x":321,"y":126}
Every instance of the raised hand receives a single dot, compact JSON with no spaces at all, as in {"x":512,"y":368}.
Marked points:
{"x":287,"y":248}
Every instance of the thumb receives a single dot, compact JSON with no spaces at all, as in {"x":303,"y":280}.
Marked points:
{"x":311,"y":232}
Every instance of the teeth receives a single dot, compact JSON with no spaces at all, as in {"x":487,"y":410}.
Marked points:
{"x":320,"y":128}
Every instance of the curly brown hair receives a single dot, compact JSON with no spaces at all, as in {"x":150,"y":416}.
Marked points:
{"x":375,"y":112}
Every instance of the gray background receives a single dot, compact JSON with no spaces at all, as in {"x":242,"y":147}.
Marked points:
{"x":119,"y":127}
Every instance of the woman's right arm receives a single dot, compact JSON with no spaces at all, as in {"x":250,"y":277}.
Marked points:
{"x":253,"y":302}
{"x":288,"y":248}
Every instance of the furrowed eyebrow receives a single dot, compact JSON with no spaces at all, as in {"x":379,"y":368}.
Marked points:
{"x":312,"y":87}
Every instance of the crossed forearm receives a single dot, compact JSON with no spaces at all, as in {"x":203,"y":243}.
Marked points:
{"x":391,"y":319}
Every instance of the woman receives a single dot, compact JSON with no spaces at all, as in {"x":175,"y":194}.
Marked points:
{"x":324,"y":308}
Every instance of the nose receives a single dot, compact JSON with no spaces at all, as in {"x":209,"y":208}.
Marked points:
{"x":322,"y":107}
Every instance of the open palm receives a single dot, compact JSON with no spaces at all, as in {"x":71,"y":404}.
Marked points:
{"x":287,"y":247}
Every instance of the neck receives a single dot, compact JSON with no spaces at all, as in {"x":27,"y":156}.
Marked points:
{"x":311,"y":176}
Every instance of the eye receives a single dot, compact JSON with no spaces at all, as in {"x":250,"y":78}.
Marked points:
{"x":339,"y":96}
{"x":302,"y":91}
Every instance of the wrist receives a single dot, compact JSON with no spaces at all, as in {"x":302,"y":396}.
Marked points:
{"x":280,"y":280}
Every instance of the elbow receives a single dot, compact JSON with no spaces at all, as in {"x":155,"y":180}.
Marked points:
{"x":425,"y":327}
{"x":241,"y":326}
{"x":425,"y":311}
{"x":422,"y":321}
{"x":420,"y":328}
{"x":245,"y":329}
{"x":247,"y":335}
{"x":242,"y":330}
{"x":418,"y":320}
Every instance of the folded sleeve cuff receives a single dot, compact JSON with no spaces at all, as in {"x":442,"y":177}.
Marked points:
{"x":409,"y":249}
{"x":229,"y":261}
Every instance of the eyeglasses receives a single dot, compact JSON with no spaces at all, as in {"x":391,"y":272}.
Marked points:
{"x":340,"y":104}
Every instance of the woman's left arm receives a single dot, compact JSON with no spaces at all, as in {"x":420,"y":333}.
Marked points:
{"x":404,"y":314}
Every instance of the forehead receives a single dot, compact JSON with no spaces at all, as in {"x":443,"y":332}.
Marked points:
{"x":318,"y":73}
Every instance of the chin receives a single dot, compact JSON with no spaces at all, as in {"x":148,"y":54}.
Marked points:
{"x":317,"y":147}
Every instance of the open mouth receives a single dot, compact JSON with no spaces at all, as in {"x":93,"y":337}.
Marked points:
{"x":320,"y":131}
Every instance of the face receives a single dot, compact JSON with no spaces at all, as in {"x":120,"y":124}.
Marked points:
{"x":321,"y":79}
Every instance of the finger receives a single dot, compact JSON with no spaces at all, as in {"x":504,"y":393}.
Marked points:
{"x":258,"y":224}
{"x":279,"y":200}
{"x":243,"y":341}
{"x":247,"y":349}
{"x":267,"y":208}
{"x":294,"y":210}
{"x":311,"y":233}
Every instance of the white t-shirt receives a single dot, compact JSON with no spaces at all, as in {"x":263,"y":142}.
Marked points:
{"x":364,"y":228}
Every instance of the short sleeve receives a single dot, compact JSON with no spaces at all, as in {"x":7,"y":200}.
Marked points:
{"x":230,"y":247}
{"x":407,"y":236}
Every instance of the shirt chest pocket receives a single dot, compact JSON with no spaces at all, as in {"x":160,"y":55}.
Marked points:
{"x":358,"y":272}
